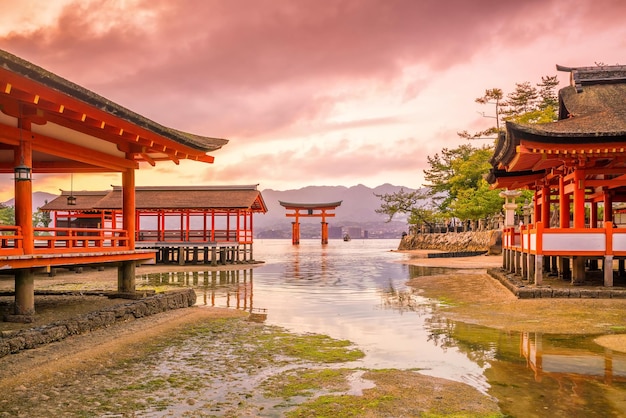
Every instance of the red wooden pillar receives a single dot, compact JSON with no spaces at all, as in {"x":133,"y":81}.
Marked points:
{"x":251,"y":227}
{"x":579,"y":199}
{"x":593,"y":218}
{"x":238,"y":224}
{"x":161,"y":226}
{"x":324,"y":228}
{"x":126,"y":270}
{"x":537,"y":208}
{"x":213,"y":225}
{"x":324,"y":232}
{"x":227,"y":225}
{"x":295,"y":230}
{"x":181,"y":228}
{"x":187,"y":224}
{"x":128,"y":205}
{"x":608,"y":206}
{"x":545,"y":206}
{"x":137,"y":225}
{"x":24,"y":278}
{"x":563,"y":204}
{"x":24,"y":190}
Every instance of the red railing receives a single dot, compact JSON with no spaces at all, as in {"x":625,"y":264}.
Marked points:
{"x":63,"y":240}
{"x":176,"y":235}
{"x":79,"y":239}
{"x":11,"y":240}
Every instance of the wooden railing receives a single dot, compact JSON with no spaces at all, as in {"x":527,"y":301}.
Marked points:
{"x":535,"y":239}
{"x":11,"y":240}
{"x":79,"y":239}
{"x":176,"y":235}
{"x":63,"y":240}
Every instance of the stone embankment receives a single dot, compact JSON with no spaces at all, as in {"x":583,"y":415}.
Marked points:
{"x":489,"y":241}
{"x":12,"y":342}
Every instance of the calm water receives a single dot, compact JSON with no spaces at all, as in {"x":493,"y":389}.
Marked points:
{"x":356,"y":290}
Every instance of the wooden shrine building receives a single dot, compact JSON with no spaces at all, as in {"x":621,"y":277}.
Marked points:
{"x":309,"y":210}
{"x":197,"y":224}
{"x":576,"y":167}
{"x":51,"y":125}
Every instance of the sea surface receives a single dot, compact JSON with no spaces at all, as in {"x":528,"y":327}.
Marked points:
{"x":356,"y":290}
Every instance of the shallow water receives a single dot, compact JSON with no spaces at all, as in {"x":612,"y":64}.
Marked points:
{"x":356,"y":290}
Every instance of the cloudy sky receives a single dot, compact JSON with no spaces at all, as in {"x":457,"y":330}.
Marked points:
{"x":309,"y":92}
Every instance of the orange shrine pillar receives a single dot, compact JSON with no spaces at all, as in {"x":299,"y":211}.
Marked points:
{"x":537,"y":207}
{"x":324,"y":228}
{"x":545,"y":206}
{"x":578,"y":262}
{"x":579,"y":199}
{"x":24,"y":278}
{"x":295,"y":232}
{"x":308,"y":211}
{"x":126,"y":270}
{"x":564,"y":210}
{"x":593,"y":215}
{"x":608,"y":206}
{"x":324,"y":232}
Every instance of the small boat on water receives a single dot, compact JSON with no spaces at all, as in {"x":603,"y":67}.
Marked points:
{"x":346,"y":237}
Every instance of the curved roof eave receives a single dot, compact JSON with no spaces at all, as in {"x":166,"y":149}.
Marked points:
{"x":35,"y":73}
{"x":310,"y":205}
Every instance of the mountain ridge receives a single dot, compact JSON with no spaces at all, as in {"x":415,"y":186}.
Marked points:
{"x":357,"y":209}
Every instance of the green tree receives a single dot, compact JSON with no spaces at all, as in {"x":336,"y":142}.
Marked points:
{"x":492,"y":96}
{"x":417,"y":205}
{"x":525,"y":98}
{"x":454,"y":171}
{"x":7,"y":215}
{"x":455,"y":177}
{"x":478,"y":203}
{"x":41,"y":218}
{"x":443,"y":168}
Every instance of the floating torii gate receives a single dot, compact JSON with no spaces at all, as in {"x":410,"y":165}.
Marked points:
{"x":309,"y":210}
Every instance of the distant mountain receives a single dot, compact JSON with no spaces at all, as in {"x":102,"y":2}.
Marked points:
{"x":358,"y":206}
{"x":39,"y":199}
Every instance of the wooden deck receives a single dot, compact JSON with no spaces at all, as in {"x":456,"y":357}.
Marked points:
{"x":198,"y":252}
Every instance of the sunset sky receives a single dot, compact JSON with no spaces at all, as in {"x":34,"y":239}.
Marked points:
{"x":309,"y":92}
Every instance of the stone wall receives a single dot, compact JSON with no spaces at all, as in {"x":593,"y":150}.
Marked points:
{"x":490,"y":241}
{"x":12,"y":342}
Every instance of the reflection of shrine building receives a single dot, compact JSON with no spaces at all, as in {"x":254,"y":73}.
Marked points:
{"x":561,"y":362}
{"x":223,"y":288}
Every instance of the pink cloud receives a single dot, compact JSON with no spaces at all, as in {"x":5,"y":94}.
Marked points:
{"x":226,"y":54}
{"x":289,"y":71}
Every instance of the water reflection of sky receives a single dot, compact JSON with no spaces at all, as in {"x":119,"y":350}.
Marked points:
{"x":356,"y":291}
{"x":346,"y":290}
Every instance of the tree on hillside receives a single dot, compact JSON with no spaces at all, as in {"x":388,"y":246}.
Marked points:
{"x":7,"y":215}
{"x":492,"y":96}
{"x":41,"y":218}
{"x":455,"y":177}
{"x":442,"y":171}
{"x":526,"y":104}
{"x":454,"y":171}
{"x":417,"y":205}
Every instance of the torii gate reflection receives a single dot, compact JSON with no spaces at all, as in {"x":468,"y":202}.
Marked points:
{"x":310,"y":210}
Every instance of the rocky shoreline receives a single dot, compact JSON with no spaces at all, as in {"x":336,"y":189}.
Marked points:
{"x":489,"y":241}
{"x":12,"y":342}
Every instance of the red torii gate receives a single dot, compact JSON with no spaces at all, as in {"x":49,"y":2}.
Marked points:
{"x":311,"y":210}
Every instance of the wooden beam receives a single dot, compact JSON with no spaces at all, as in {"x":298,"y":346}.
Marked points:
{"x":53,"y":146}
{"x":56,"y":104}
